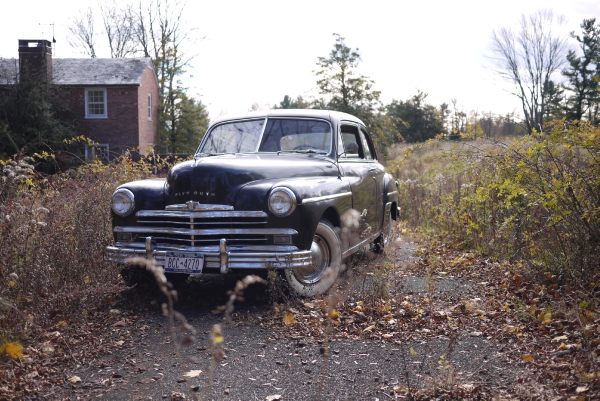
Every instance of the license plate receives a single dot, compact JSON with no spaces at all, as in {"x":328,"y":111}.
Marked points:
{"x":190,"y":263}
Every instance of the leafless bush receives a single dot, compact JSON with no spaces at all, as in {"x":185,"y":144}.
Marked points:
{"x":53,"y":232}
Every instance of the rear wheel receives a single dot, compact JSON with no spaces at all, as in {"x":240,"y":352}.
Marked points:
{"x":384,"y":239}
{"x":317,"y":278}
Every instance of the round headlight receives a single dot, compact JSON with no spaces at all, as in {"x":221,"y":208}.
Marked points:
{"x":282,"y":202}
{"x":122,"y":202}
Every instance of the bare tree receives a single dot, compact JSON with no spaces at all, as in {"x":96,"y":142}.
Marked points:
{"x":119,"y":28}
{"x":83,"y":36}
{"x":161,"y":35}
{"x":155,"y":29}
{"x":528,"y":58}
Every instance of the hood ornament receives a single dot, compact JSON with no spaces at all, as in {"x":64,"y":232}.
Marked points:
{"x":191,"y":205}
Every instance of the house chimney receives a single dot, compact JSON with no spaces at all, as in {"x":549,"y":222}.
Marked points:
{"x":35,"y":58}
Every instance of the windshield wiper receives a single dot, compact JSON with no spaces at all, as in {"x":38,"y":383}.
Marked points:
{"x":320,"y":152}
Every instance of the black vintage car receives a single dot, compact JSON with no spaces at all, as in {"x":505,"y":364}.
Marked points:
{"x":292,"y":190}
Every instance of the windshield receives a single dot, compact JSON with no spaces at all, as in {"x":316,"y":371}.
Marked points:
{"x":279,"y":135}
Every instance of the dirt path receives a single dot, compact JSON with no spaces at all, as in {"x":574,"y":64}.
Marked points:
{"x":398,"y":328}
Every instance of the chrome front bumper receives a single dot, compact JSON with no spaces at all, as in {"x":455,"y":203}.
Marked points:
{"x":222,"y":257}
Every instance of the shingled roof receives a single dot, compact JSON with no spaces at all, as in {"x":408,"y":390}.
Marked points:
{"x":87,"y":71}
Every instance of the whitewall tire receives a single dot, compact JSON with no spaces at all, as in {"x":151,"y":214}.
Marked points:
{"x":326,"y":256}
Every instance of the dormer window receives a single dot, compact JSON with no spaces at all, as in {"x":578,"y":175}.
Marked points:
{"x":95,"y":103}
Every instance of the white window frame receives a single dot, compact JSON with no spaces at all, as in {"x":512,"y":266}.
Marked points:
{"x":88,"y":103}
{"x":149,"y":106}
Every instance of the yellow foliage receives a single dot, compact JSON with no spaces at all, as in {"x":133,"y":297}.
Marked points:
{"x":384,"y":308}
{"x":62,"y":323}
{"x":370,"y":328}
{"x":527,"y":357}
{"x":289,"y":319}
{"x":547,"y":317}
{"x":12,"y":350}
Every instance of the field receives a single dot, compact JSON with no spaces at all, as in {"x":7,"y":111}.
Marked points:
{"x":519,"y":217}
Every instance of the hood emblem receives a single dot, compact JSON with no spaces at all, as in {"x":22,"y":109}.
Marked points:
{"x":191,"y":205}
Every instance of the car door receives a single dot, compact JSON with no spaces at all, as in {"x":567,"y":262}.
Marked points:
{"x":377,"y":171}
{"x":356,"y":169}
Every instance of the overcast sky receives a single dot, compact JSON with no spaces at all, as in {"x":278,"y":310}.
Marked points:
{"x":258,"y":51}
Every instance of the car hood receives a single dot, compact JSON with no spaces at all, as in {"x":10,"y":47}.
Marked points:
{"x":217,"y":179}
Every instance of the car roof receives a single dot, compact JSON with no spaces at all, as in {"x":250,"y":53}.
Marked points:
{"x":330,"y":115}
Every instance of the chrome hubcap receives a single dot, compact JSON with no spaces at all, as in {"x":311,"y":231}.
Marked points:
{"x":320,"y":262}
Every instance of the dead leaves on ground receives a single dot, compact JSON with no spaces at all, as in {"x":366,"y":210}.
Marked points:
{"x":556,"y":346}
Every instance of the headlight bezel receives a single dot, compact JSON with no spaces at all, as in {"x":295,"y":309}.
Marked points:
{"x":127,"y":198}
{"x":289,"y":199}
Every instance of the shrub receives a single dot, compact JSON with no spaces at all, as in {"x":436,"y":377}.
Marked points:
{"x":535,"y":198}
{"x":53,"y":231}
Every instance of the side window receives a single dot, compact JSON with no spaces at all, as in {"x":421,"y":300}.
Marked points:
{"x":353,"y":148}
{"x":366,"y":144}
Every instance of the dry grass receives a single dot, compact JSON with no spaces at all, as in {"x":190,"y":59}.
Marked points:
{"x":53,"y":232}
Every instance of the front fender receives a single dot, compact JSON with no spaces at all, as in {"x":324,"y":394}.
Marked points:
{"x":148,"y":195}
{"x":315,"y":196}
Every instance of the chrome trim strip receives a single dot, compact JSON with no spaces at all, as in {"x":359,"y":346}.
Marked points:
{"x":212,"y":248}
{"x":392,"y":193}
{"x":356,"y":247}
{"x":326,"y":197}
{"x":262,"y":133}
{"x":149,"y":248}
{"x":216,"y":231}
{"x":224,"y":256}
{"x":237,"y":260}
{"x":198,"y":207}
{"x":187,"y":214}
{"x":202,"y":223}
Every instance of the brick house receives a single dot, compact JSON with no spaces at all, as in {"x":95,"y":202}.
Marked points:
{"x":115,"y":100}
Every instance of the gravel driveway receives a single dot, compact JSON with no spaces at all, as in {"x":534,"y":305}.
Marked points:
{"x":261,"y":363}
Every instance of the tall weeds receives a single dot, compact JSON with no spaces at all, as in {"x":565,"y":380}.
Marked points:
{"x":536,"y":198}
{"x":53,"y":231}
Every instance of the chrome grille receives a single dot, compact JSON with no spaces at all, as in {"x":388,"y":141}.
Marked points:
{"x":202,"y":228}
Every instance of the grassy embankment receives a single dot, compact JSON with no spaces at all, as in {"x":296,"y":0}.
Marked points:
{"x":534,"y":200}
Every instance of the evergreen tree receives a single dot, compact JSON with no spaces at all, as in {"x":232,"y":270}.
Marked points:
{"x":340,"y":85}
{"x":581,"y":72}
{"x":33,"y":116}
{"x":417,"y":120}
{"x":190,"y":122}
{"x":289,"y":103}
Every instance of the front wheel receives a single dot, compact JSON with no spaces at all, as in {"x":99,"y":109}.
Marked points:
{"x":317,"y":278}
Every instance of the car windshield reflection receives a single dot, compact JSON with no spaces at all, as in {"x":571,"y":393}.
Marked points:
{"x":278,"y":135}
